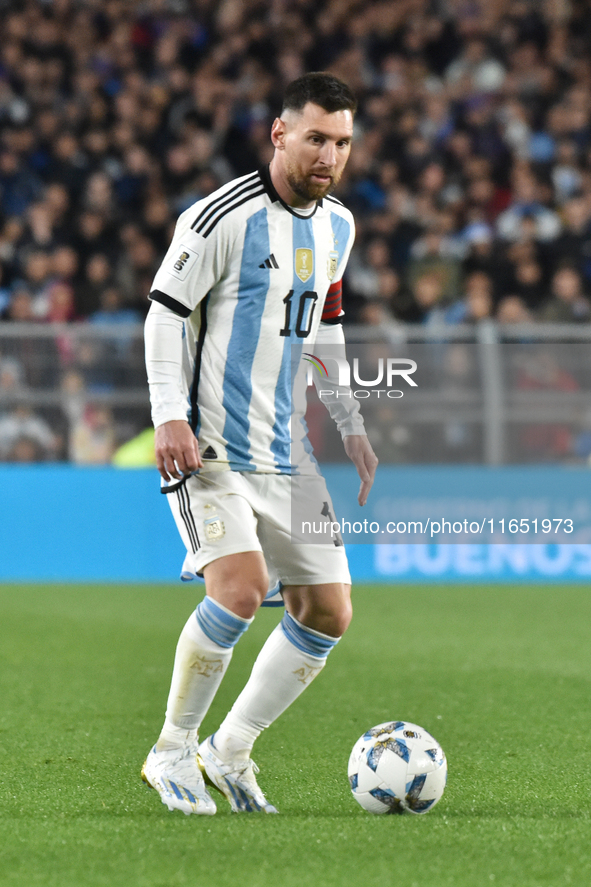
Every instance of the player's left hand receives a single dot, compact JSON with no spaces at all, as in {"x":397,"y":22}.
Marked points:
{"x":361,"y":454}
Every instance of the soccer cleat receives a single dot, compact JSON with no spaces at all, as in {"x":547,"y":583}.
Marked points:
{"x":177,"y":778}
{"x":236,"y":781}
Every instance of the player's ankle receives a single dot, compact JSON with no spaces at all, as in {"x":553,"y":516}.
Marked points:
{"x":231,"y":748}
{"x":173,"y":737}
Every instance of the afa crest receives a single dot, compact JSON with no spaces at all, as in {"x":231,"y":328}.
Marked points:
{"x":333,"y":261}
{"x":304,"y":263}
{"x":214,"y":528}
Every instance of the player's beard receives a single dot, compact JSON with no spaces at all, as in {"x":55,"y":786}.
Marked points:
{"x":304,"y":187}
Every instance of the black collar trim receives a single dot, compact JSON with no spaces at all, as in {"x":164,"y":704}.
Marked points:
{"x":274,"y":196}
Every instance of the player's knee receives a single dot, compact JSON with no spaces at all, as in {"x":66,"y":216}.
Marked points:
{"x":339,"y":622}
{"x":252,"y":595}
{"x":333,"y":623}
{"x":244,"y":597}
{"x":239,"y":582}
{"x":330,"y":616}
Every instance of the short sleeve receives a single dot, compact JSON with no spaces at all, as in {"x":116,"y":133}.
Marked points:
{"x":190,"y":268}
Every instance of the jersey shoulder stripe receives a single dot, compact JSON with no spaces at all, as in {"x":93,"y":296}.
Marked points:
{"x":334,"y":200}
{"x":200,"y":227}
{"x":222,"y":193}
{"x":234,"y":204}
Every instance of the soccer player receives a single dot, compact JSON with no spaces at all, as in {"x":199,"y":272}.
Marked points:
{"x":250,"y":284}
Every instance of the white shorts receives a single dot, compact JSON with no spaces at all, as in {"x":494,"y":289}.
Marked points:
{"x":226,"y":512}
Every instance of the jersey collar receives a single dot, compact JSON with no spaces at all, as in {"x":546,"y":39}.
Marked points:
{"x":265,"y":175}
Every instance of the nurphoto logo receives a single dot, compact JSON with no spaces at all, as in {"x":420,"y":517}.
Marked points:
{"x":337,"y":371}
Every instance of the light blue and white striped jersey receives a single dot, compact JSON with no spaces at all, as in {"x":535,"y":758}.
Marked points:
{"x":251,"y":276}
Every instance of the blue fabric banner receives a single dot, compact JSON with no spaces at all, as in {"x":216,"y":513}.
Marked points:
{"x":63,"y":523}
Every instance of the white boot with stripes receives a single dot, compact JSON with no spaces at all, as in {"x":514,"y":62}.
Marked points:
{"x":178,"y":780}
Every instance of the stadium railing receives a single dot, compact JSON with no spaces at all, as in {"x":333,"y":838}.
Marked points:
{"x":485,"y":393}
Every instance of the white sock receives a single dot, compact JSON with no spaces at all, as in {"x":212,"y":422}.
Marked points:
{"x":281,"y":672}
{"x":199,"y":666}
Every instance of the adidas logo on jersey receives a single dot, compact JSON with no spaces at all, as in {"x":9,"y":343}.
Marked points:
{"x":209,"y":453}
{"x":271,"y":262}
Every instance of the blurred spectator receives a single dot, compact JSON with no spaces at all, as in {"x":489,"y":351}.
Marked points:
{"x":435,"y":253}
{"x":65,"y":265}
{"x":93,"y":359}
{"x":567,"y":303}
{"x":526,"y":205}
{"x":25,"y":450}
{"x":540,"y":371}
{"x":37,"y":278}
{"x":112,"y":313}
{"x":67,"y":164}
{"x":19,"y":187}
{"x":375,"y":313}
{"x":528,"y":283}
{"x":20,"y":307}
{"x":10,"y":235}
{"x":97,"y":276}
{"x":391,"y":439}
{"x":39,"y":232}
{"x":566,"y":175}
{"x":136,"y":269}
{"x":475,"y":70}
{"x":427,"y":297}
{"x":512,"y":309}
{"x":92,"y":236}
{"x":60,"y":303}
{"x":22,"y":424}
{"x":480,"y":250}
{"x":477,"y":303}
{"x":366,"y":266}
{"x":459,"y":440}
{"x":11,"y":374}
{"x":92,"y":439}
{"x":4,"y":293}
{"x":112,"y":310}
{"x":574,"y":243}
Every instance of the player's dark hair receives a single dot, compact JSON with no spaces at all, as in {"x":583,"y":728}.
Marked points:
{"x":321,"y":89}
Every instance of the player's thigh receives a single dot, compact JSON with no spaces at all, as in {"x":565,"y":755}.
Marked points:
{"x":214,"y":517}
{"x":298,"y":563}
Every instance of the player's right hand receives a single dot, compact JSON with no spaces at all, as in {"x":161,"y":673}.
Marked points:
{"x":177,"y":450}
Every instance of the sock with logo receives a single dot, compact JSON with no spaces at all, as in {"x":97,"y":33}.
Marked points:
{"x":203,"y":654}
{"x":289,"y":661}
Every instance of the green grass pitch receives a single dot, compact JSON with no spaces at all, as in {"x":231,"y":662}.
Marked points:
{"x":499,"y":674}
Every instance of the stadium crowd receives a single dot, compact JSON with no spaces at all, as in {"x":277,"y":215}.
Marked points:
{"x":470,"y":178}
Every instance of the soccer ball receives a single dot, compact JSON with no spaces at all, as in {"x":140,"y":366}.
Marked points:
{"x":397,"y":767}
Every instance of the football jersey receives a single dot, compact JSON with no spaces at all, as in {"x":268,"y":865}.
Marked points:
{"x":252,"y":279}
